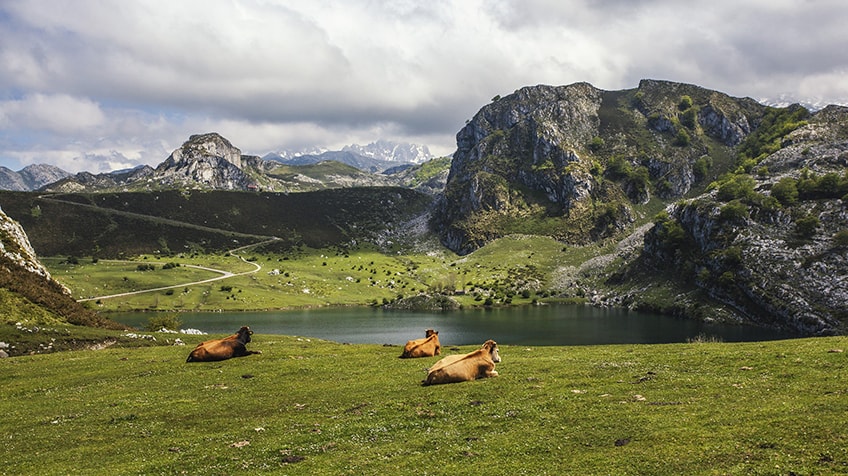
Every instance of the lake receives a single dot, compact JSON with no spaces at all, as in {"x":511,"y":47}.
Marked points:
{"x":523,"y":325}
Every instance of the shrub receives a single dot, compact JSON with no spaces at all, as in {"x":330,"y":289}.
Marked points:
{"x":727,"y":279}
{"x":736,"y":187}
{"x":732,"y":256}
{"x":840,"y":239}
{"x":830,"y":185}
{"x":596,"y":144}
{"x":670,"y":231}
{"x":689,"y":118}
{"x":682,"y":139}
{"x":702,"y":166}
{"x":168,"y":321}
{"x":785,"y":191}
{"x":734,"y":211}
{"x":806,"y":226}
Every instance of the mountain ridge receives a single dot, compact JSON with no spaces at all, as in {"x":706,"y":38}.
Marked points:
{"x":210,"y":161}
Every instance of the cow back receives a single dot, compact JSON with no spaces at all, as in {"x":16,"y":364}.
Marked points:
{"x":427,"y":347}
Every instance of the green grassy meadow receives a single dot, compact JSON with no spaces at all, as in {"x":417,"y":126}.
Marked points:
{"x":306,"y":406}
{"x":308,"y":277}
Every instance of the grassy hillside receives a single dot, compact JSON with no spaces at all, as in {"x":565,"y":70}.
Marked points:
{"x":167,"y":222}
{"x":313,"y":407}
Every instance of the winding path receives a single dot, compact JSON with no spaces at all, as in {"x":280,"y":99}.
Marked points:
{"x":223,"y":274}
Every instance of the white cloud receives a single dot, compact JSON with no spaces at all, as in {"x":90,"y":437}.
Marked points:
{"x":58,"y":113}
{"x":138,"y":78}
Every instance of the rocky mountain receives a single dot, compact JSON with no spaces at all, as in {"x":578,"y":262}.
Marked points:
{"x":755,"y":223}
{"x":86,"y":181}
{"x":578,"y":161}
{"x":31,"y":177}
{"x":210,"y":162}
{"x":772,"y":244}
{"x":390,"y":151}
{"x":353,"y":159}
{"x":376,"y":157}
{"x":27,"y":290}
{"x":207,"y":160}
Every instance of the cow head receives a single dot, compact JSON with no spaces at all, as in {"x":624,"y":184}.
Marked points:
{"x":244,"y":334}
{"x":492,"y":348}
{"x":431,"y":332}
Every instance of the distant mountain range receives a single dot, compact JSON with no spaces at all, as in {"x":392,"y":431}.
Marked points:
{"x":31,"y":177}
{"x":209,"y":161}
{"x":376,"y":157}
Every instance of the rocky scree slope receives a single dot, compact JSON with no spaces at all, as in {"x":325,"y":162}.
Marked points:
{"x":772,"y":244}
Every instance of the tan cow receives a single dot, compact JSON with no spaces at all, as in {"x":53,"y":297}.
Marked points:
{"x":471,"y":366}
{"x":223,"y":349}
{"x":426,"y":347}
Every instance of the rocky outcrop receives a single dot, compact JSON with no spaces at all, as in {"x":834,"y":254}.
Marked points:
{"x":31,"y":177}
{"x":204,"y":161}
{"x":576,"y":158}
{"x":16,"y":249}
{"x":756,"y":254}
{"x":86,"y":181}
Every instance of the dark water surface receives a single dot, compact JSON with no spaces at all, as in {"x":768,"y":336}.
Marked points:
{"x":527,"y":325}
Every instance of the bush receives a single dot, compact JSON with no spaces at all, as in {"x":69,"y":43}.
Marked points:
{"x":736,"y":187}
{"x":596,"y":144}
{"x":689,"y":118}
{"x":702,"y":166}
{"x":727,"y":279}
{"x":840,"y":239}
{"x":732,"y":256}
{"x":670,"y":231}
{"x":169,"y":321}
{"x":734,"y":211}
{"x":829,"y":185}
{"x":682,"y":139}
{"x":806,"y":226}
{"x":785,"y":191}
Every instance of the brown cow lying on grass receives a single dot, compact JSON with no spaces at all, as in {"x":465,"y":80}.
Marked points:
{"x":223,"y":349}
{"x":471,"y":366}
{"x":426,"y":347}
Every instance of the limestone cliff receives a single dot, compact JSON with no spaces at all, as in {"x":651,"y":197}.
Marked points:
{"x":16,"y":250}
{"x":26,"y":287}
{"x":206,"y":161}
{"x":774,"y":244}
{"x":572,"y":161}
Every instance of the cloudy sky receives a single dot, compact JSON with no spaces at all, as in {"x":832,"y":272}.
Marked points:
{"x":100,"y":85}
